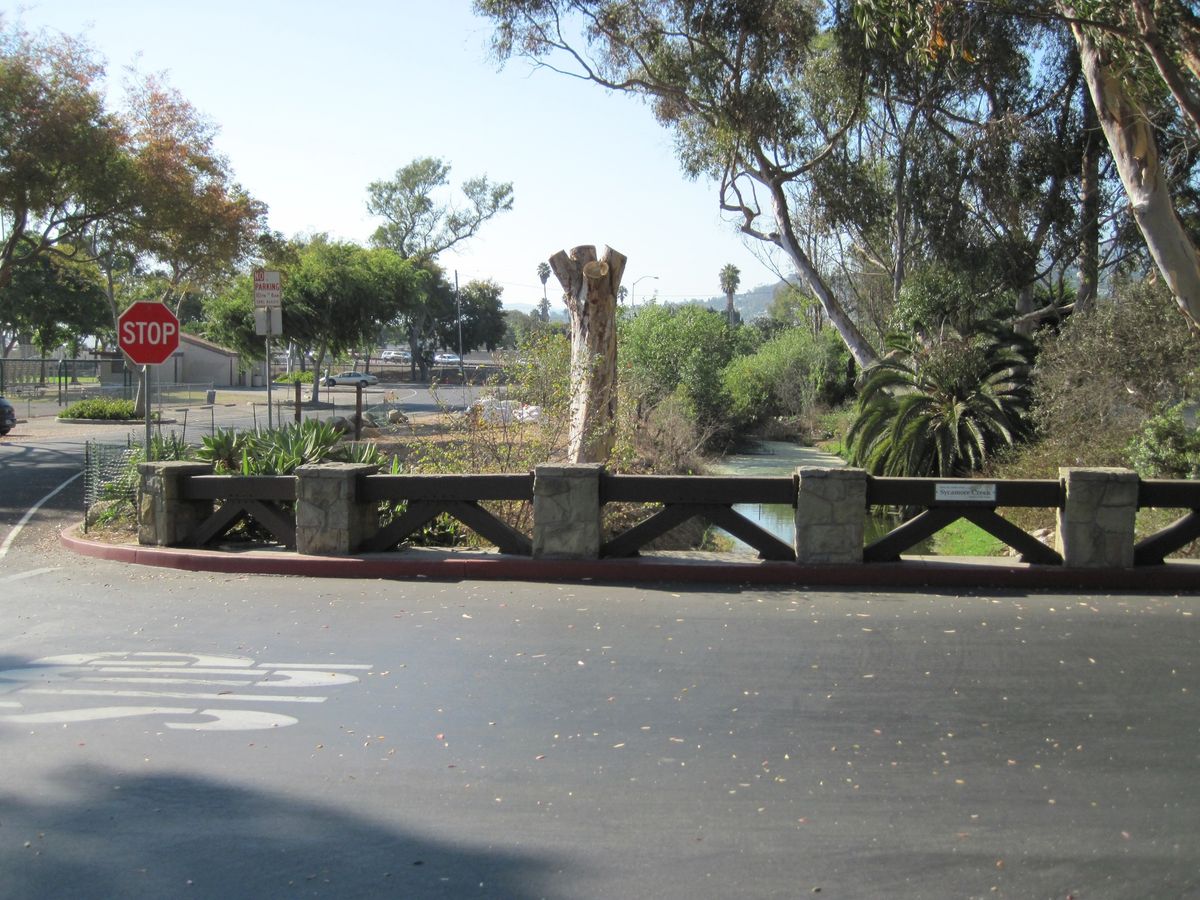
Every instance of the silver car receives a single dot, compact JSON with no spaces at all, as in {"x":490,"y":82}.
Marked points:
{"x":354,"y":378}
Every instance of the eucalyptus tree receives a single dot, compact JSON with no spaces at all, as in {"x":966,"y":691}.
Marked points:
{"x":1133,"y":54}
{"x":418,"y":226}
{"x":744,"y":86}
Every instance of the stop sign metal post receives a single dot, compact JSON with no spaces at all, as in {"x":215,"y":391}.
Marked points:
{"x":148,"y":334}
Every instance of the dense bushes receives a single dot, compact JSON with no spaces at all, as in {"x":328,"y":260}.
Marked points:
{"x":793,"y":374}
{"x":100,"y":408}
{"x":679,"y":351}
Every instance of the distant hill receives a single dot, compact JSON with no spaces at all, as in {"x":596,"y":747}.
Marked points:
{"x":751,"y":304}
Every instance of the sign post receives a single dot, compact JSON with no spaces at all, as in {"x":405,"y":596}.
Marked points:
{"x":148,"y":335}
{"x":268,"y":301}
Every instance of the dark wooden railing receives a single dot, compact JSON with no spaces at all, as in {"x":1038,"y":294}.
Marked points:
{"x":947,"y":501}
{"x":1152,"y":550}
{"x":684,"y":497}
{"x":257,"y":497}
{"x":269,"y":501}
{"x":428,"y":496}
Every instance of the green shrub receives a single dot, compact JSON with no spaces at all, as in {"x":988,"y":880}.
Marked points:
{"x":294,"y":377}
{"x":99,"y":408}
{"x":1166,"y":447}
{"x":681,"y":351}
{"x":792,"y":374}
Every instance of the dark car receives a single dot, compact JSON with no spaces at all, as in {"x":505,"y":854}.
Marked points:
{"x":8,"y":416}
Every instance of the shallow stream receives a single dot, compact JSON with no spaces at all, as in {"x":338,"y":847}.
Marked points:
{"x":770,"y":458}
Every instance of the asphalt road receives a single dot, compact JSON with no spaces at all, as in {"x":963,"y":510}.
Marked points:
{"x":168,"y":733}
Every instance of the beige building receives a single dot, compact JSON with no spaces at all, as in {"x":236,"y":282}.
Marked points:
{"x":198,"y":361}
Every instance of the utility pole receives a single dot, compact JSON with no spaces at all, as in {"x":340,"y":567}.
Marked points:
{"x":462,"y":366}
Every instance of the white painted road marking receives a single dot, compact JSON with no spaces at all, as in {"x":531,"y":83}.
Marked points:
{"x":63,"y":675}
{"x":32,"y":573}
{"x":29,"y":514}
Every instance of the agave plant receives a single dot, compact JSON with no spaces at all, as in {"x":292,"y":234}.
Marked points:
{"x":280,"y":451}
{"x":940,"y":406}
{"x":224,"y":449}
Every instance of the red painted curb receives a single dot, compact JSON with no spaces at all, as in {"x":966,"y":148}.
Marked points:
{"x":925,"y":572}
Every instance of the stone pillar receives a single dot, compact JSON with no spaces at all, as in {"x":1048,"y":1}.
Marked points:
{"x":164,"y":517}
{"x":1095,"y":523}
{"x":831,"y":510}
{"x":330,"y":519}
{"x":566,"y":511}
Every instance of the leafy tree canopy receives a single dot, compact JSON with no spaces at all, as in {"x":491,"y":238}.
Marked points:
{"x":417,"y":224}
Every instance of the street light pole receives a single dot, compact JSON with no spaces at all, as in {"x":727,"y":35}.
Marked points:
{"x":633,"y":291}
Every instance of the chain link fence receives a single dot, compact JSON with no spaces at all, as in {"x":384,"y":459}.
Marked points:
{"x":110,"y":482}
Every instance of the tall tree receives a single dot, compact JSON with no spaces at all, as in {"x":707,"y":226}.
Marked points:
{"x":730,"y":277}
{"x":193,"y":219}
{"x":543,"y":272}
{"x":64,"y":165}
{"x":742,"y":84}
{"x":1130,"y":51}
{"x":417,"y":225}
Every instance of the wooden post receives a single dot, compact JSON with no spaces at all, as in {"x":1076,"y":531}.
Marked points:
{"x":297,"y":402}
{"x":590,"y":291}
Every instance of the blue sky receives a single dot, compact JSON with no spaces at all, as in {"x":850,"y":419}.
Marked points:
{"x":314,"y":100}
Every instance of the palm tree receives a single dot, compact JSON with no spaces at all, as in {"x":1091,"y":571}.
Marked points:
{"x":543,"y":271}
{"x":940,"y":407}
{"x":730,"y":278}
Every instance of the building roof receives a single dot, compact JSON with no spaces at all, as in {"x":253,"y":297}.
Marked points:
{"x":184,"y":337}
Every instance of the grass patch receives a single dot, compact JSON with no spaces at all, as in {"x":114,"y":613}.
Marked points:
{"x":963,"y":538}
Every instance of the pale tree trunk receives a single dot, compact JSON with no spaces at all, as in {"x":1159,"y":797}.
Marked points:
{"x":1131,"y":139}
{"x":1089,"y":211}
{"x":590,"y":291}
{"x":862,"y":351}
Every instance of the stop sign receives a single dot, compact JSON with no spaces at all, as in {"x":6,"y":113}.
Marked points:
{"x":148,"y":333}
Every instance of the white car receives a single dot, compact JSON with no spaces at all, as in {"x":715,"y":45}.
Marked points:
{"x":355,"y":378}
{"x":446,"y":359}
{"x":396,"y":356}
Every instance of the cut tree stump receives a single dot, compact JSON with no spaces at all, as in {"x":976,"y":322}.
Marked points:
{"x":590,"y":287}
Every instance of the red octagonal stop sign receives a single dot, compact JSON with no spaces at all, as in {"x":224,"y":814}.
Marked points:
{"x":148,"y":333}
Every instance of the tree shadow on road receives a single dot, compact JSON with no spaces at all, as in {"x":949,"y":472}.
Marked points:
{"x":111,"y":834}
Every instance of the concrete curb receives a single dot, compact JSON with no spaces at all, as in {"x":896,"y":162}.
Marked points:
{"x":976,"y":572}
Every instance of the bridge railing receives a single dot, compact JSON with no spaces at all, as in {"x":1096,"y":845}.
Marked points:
{"x":347,"y":509}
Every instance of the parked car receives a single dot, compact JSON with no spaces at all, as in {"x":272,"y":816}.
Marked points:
{"x":402,"y":356}
{"x":8,"y":416}
{"x":446,"y":359}
{"x":350,"y":378}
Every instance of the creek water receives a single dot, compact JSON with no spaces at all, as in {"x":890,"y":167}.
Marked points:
{"x":769,"y":458}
